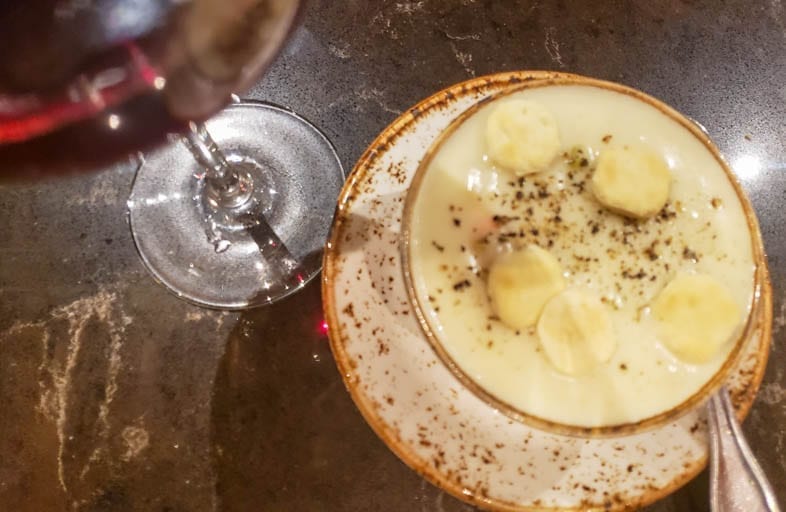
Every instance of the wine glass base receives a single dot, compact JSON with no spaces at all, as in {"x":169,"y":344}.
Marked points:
{"x":259,"y":252}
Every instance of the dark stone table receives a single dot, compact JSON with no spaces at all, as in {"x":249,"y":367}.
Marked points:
{"x":116,"y":396}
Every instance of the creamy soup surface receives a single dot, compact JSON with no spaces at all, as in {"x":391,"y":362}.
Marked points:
{"x":467,"y":210}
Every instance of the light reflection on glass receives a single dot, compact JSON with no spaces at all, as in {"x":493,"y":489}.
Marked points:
{"x":160,"y":198}
{"x":128,"y":20}
{"x":109,"y":78}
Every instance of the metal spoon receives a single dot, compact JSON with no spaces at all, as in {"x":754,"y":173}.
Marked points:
{"x":737,"y":482}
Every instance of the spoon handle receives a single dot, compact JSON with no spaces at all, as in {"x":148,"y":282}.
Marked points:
{"x":737,"y":482}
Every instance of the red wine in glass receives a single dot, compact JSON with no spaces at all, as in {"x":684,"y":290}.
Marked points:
{"x":84,"y":83}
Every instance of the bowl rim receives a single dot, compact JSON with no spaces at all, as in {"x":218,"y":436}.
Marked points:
{"x":604,"y":431}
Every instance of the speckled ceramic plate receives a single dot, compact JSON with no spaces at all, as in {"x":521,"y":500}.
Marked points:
{"x":420,"y":409}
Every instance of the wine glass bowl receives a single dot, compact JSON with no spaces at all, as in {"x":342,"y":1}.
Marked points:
{"x":102,"y":79}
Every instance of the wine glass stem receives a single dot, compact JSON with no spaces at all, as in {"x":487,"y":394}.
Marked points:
{"x":224,"y":186}
{"x":227,"y":189}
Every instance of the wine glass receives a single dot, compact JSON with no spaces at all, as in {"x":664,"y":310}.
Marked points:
{"x":83,"y":83}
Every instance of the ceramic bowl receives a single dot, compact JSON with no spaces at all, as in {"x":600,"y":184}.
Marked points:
{"x":436,"y":335}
